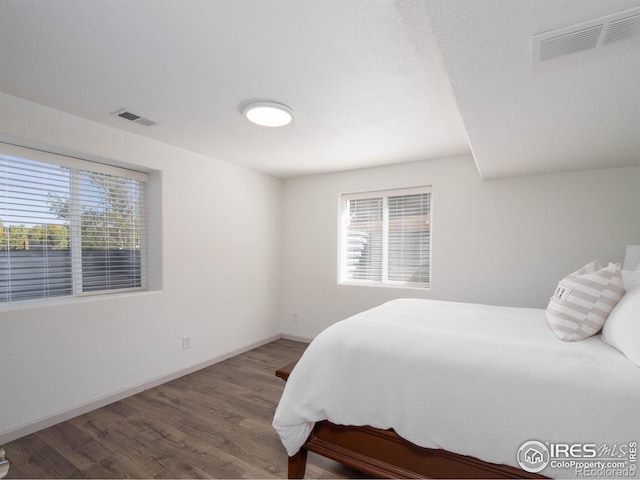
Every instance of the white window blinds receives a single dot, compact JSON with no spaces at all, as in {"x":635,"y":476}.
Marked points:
{"x":68,"y":226}
{"x":386,"y":237}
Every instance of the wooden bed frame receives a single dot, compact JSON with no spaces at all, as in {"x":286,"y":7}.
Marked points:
{"x":384,"y":454}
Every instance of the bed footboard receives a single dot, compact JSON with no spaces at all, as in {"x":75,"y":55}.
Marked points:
{"x":384,"y":454}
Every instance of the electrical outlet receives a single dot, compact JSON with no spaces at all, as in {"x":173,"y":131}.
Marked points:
{"x":186,"y":342}
{"x":295,"y":317}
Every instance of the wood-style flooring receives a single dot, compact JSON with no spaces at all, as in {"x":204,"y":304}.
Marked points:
{"x":214,"y":423}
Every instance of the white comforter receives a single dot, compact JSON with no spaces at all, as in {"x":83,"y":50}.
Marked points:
{"x":473,"y":379}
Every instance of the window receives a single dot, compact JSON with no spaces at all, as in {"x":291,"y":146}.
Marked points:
{"x":68,"y":226}
{"x":386,"y":238}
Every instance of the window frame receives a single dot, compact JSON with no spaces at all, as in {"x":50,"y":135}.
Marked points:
{"x":343,"y":215}
{"x":75,"y":237}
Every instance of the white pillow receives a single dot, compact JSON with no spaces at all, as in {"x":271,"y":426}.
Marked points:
{"x":583,"y":300}
{"x":622,"y":328}
{"x":631,"y":279}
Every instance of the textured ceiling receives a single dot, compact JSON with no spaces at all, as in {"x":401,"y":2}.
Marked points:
{"x":372,"y":82}
{"x":571,"y":113}
{"x":363,"y":77}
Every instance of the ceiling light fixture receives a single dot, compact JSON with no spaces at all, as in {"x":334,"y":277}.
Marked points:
{"x":268,"y":114}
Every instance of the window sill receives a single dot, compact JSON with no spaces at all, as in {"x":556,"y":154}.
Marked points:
{"x":71,"y":300}
{"x":385,"y":285}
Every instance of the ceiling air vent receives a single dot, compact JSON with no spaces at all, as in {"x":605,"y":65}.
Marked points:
{"x":132,"y":117}
{"x":623,"y":29}
{"x":588,"y":35}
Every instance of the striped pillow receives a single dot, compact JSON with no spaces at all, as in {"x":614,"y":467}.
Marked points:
{"x":583,"y":301}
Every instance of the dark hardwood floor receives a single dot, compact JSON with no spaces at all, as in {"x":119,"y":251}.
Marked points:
{"x":214,"y":423}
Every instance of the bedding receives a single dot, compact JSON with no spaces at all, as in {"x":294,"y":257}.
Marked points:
{"x":583,"y":300}
{"x":622,"y":330}
{"x":472,"y":379}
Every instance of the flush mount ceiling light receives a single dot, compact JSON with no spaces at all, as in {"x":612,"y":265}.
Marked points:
{"x":268,"y":114}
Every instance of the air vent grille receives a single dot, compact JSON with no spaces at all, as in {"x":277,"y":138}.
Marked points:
{"x":132,"y":117}
{"x":145,"y":121}
{"x":624,"y":29}
{"x":588,"y":35}
{"x":570,"y":43}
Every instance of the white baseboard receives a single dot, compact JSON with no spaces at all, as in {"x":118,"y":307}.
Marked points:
{"x":296,"y":338}
{"x":50,"y":420}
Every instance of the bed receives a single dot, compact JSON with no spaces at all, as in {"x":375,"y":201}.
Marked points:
{"x":421,"y":388}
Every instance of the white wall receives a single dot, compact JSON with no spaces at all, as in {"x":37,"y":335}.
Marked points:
{"x":220,"y":253}
{"x":220,"y":232}
{"x":503,"y":242}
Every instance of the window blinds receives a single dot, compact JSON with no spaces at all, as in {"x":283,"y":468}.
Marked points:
{"x":386,"y":237}
{"x":68,"y":226}
{"x":364,"y":239}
